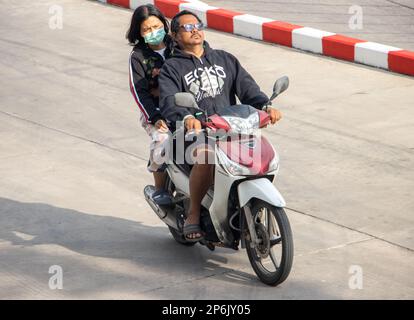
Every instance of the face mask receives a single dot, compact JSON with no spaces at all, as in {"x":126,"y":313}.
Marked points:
{"x":155,"y":37}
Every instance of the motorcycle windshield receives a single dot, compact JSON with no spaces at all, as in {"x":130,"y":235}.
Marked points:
{"x":238,"y":110}
{"x":242,"y":118}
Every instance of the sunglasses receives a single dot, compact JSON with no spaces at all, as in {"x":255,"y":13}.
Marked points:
{"x":190,"y":27}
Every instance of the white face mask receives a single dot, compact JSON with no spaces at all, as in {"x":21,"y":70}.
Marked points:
{"x":155,"y":37}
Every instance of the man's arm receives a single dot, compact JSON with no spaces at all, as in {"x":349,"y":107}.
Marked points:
{"x":245,"y":87}
{"x":170,"y":83}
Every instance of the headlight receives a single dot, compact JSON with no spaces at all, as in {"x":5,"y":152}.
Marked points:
{"x":236,"y":169}
{"x":230,"y":166}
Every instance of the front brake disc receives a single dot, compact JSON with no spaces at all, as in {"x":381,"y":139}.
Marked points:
{"x":262,"y":249}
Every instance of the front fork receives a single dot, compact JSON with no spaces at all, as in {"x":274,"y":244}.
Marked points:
{"x":251,"y":227}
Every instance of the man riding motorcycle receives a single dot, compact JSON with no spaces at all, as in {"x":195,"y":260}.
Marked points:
{"x":215,"y":78}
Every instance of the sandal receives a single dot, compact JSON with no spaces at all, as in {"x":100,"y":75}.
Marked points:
{"x":192,"y":229}
{"x":162,"y":197}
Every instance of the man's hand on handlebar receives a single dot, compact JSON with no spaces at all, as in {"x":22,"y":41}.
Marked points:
{"x":274,"y":114}
{"x":192,"y":123}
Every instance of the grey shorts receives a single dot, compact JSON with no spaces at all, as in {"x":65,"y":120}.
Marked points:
{"x":159,"y":139}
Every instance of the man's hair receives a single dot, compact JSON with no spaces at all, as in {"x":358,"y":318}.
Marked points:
{"x":175,"y":23}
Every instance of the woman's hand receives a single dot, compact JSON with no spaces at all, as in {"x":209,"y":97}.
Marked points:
{"x":155,"y":92}
{"x":161,"y":125}
{"x":155,"y":72}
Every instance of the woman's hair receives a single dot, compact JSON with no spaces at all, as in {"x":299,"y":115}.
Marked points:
{"x":140,"y":15}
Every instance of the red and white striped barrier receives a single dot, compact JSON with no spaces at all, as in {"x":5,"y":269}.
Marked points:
{"x":299,"y":37}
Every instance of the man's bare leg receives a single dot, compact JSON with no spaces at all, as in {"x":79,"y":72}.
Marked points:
{"x":201,"y":178}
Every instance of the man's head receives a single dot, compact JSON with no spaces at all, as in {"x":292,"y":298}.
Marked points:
{"x":187,"y":29}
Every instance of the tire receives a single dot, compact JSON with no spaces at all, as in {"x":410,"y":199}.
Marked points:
{"x":285,"y":240}
{"x":180,"y":238}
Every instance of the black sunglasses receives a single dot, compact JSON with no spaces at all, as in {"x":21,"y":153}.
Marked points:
{"x":191,"y":26}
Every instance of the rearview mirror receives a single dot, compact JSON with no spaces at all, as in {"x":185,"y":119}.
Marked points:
{"x":185,"y":100}
{"x":280,"y":85}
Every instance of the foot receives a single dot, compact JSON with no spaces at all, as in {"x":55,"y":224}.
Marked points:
{"x":195,"y":233}
{"x":162,"y":197}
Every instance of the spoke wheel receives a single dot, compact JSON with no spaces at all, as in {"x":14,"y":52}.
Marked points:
{"x":272,"y":257}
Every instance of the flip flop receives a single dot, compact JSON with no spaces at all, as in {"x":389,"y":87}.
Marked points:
{"x":191,"y":229}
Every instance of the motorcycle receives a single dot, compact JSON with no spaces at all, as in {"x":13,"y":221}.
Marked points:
{"x":243,"y":206}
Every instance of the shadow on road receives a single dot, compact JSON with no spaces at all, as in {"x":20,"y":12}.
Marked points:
{"x":110,"y":254}
{"x":30,"y":224}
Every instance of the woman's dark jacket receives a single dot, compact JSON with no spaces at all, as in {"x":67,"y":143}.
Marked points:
{"x":144,"y":68}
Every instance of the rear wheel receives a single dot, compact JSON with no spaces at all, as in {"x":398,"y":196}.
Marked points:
{"x":272,"y":258}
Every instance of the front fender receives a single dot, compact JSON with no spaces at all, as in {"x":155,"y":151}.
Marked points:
{"x":261,"y":189}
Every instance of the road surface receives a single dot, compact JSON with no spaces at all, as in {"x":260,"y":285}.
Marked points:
{"x":73,"y":167}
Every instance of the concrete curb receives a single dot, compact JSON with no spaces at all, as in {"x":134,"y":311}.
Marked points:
{"x":283,"y":33}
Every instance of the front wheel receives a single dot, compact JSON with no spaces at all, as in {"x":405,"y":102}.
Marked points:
{"x":272,"y":258}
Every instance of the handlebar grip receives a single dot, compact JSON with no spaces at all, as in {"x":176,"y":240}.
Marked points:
{"x":189,"y":135}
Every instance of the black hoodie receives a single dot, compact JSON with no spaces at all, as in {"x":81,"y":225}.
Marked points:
{"x":215,"y":80}
{"x":144,"y":65}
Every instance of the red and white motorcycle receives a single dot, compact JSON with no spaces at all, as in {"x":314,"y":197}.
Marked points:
{"x":243,"y":206}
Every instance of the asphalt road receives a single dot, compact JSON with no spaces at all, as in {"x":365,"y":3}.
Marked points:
{"x":73,"y":167}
